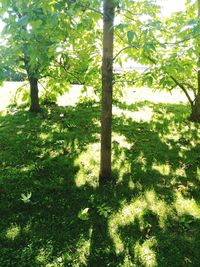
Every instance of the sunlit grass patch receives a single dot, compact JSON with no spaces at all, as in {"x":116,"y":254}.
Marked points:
{"x":44,"y":136}
{"x":83,"y":251}
{"x":186,"y":206}
{"x":145,"y":252}
{"x":198,"y":173}
{"x":44,"y":254}
{"x":137,"y":210}
{"x":88,"y":163}
{"x":13,"y":231}
{"x":164,"y":169}
{"x":143,"y":114}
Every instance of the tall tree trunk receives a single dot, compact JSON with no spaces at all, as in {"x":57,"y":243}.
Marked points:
{"x":35,"y":106}
{"x":195,"y":116}
{"x":107,"y":86}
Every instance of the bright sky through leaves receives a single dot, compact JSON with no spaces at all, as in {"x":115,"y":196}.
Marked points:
{"x":169,"y":6}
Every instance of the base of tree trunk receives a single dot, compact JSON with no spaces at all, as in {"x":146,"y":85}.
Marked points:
{"x":34,"y":109}
{"x":194,"y":117}
{"x":35,"y":105}
{"x":104,"y":180}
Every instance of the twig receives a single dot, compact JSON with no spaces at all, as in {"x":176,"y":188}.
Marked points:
{"x":125,"y":48}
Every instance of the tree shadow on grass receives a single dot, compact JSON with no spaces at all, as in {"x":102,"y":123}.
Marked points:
{"x":150,"y":217}
{"x":38,"y":154}
{"x":160,"y":169}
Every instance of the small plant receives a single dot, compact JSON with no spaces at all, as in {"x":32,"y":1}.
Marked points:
{"x":84,"y":214}
{"x":26,"y":198}
{"x":103,"y":210}
{"x":186,"y":222}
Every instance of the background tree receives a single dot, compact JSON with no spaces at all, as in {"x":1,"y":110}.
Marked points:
{"x":59,"y":41}
{"x":167,"y":48}
{"x":31,"y":33}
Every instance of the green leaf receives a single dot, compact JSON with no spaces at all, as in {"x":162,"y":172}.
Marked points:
{"x":148,"y":80}
{"x":36,"y":23}
{"x":26,"y":198}
{"x":22,"y":21}
{"x":149,"y":47}
{"x":130,"y":36}
{"x":84,"y":214}
{"x":121,"y":26}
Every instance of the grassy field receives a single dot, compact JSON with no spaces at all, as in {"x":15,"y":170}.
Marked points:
{"x":53,"y":213}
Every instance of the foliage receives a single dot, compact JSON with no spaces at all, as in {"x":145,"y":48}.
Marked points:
{"x":30,"y":36}
{"x":58,"y":41}
{"x":167,"y":47}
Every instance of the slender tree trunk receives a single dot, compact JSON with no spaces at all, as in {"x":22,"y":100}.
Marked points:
{"x":33,"y":81}
{"x":195,"y":116}
{"x":35,"y":106}
{"x":107,"y":86}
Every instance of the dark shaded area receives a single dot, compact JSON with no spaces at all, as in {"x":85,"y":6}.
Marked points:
{"x":39,"y":155}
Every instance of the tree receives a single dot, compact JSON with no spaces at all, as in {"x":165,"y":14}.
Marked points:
{"x":31,"y":40}
{"x":107,"y":86}
{"x":55,"y":40}
{"x":169,"y":50}
{"x":125,"y":9}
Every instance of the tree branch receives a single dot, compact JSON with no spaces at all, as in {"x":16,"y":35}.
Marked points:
{"x":183,"y":88}
{"x":192,"y":87}
{"x":68,"y":72}
{"x":123,"y":49}
{"x":90,"y":8}
{"x":175,"y":81}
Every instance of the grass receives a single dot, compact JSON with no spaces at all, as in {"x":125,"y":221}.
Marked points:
{"x":53,"y":212}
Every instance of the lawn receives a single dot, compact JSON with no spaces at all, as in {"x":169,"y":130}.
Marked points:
{"x":53,"y":212}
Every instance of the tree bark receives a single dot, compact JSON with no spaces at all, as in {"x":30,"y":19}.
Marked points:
{"x":195,"y":115}
{"x":33,"y":81}
{"x":107,"y":87}
{"x":35,"y":105}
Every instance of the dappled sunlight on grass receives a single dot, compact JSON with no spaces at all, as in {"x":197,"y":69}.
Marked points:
{"x":142,"y":114}
{"x":145,"y":253}
{"x":141,"y":159}
{"x":83,"y":251}
{"x":198,"y":173}
{"x":45,"y":136}
{"x":88,"y":162}
{"x":42,"y":257}
{"x":181,"y":172}
{"x":131,"y":95}
{"x":164,"y":169}
{"x":120,"y":140}
{"x":150,"y":216}
{"x":185,"y":206}
{"x":137,"y":210}
{"x":13,"y":231}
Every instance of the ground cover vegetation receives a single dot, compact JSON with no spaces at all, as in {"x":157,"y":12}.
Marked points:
{"x":107,"y":181}
{"x":53,"y":212}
